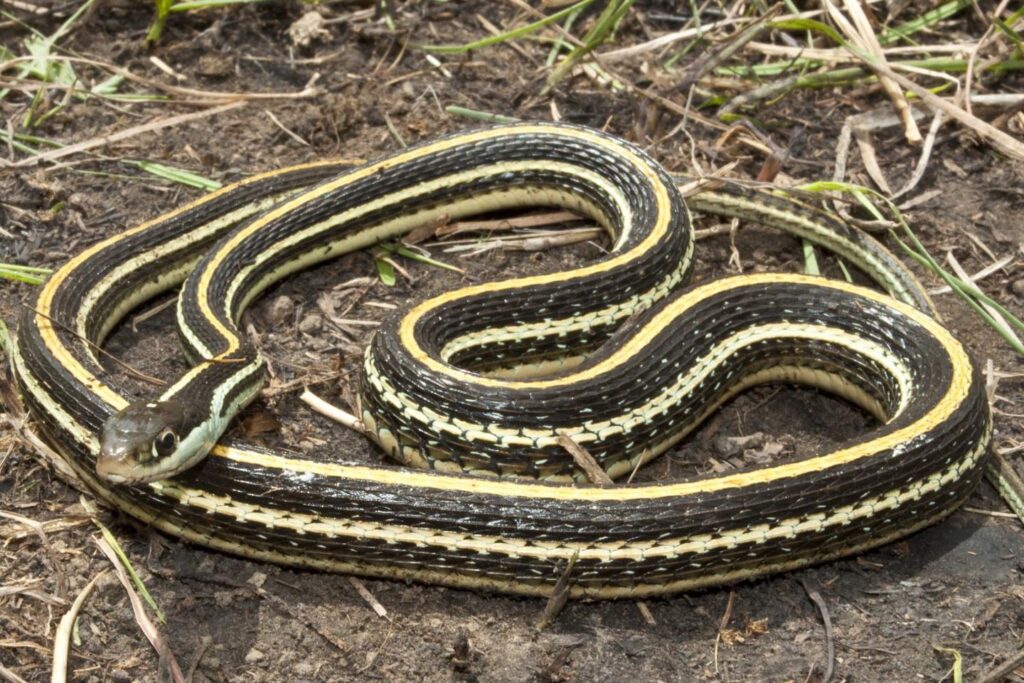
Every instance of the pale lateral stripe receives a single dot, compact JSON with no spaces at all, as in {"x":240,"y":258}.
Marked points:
{"x":617,"y":148}
{"x":671,"y":395}
{"x":456,"y":542}
{"x":512,"y":197}
{"x":954,"y":397}
{"x":167,"y":280}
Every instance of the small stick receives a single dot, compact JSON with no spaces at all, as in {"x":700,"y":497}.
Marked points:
{"x":366,"y":595}
{"x":830,"y":647}
{"x":95,"y":347}
{"x":999,"y":674}
{"x":62,"y":639}
{"x":723,"y":623}
{"x":146,"y":315}
{"x":559,"y":595}
{"x":330,"y":411}
{"x":646,"y":612}
{"x":287,"y":131}
{"x":584,"y":460}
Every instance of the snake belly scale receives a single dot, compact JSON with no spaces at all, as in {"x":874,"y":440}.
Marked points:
{"x":446,"y":387}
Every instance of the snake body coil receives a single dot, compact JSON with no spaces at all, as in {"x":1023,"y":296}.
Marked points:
{"x":464,"y":381}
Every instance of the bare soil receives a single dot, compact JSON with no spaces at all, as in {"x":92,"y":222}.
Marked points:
{"x":959,"y":584}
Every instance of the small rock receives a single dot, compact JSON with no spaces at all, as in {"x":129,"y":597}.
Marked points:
{"x":729,"y":446}
{"x":253,"y":656}
{"x":1018,"y":287}
{"x":215,"y":66}
{"x":311,"y":323}
{"x":308,"y":29}
{"x":280,"y":310}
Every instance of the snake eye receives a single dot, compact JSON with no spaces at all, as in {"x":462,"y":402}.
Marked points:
{"x":165,"y":443}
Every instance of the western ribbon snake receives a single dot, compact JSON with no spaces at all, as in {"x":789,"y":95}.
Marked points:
{"x":487,"y":378}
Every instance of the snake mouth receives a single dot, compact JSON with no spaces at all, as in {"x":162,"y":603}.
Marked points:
{"x":118,"y":465}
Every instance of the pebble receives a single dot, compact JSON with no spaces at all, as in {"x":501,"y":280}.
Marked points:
{"x":1018,"y":287}
{"x":253,"y":655}
{"x":280,"y":310}
{"x":311,"y":323}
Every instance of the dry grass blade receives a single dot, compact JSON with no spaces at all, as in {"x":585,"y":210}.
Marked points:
{"x":62,"y":639}
{"x":861,"y":33}
{"x":203,"y":97}
{"x":104,"y":140}
{"x":531,"y":221}
{"x":147,"y":627}
{"x":980,"y":275}
{"x":8,"y":675}
{"x":1000,"y":321}
{"x":55,"y":565}
{"x":1004,"y":142}
{"x":666,"y":40}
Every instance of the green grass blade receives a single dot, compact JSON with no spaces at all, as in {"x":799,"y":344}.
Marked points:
{"x":508,"y":35}
{"x":810,"y":260}
{"x":385,"y":271}
{"x":27,"y":274}
{"x":609,"y":19}
{"x":127,"y":564}
{"x":402,"y":250}
{"x":958,"y":663}
{"x":970,"y":294}
{"x":479,"y":115}
{"x":177,"y":175}
{"x":927,"y":19}
{"x":204,"y":4}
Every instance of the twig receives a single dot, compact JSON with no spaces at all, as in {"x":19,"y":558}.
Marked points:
{"x":830,"y":648}
{"x":287,"y":131}
{"x":96,"y":347}
{"x":584,"y":460}
{"x":366,"y":595}
{"x":62,"y":639}
{"x":559,"y":594}
{"x":723,"y":623}
{"x":645,"y":611}
{"x":333,"y":412}
{"x":999,"y":674}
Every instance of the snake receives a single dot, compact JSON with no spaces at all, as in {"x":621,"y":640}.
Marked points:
{"x":476,"y":391}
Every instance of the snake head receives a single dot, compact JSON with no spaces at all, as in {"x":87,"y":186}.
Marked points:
{"x":142,"y":442}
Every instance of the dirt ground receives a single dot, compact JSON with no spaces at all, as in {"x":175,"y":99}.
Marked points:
{"x":958,"y":585}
